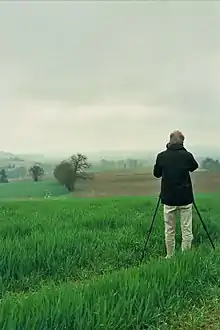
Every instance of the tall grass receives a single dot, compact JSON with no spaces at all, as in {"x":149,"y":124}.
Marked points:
{"x":53,"y":254}
{"x":138,"y":298}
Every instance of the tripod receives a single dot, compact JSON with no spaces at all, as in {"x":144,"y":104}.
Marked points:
{"x":153,"y":220}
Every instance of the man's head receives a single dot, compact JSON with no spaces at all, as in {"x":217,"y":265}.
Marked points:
{"x":176,"y":137}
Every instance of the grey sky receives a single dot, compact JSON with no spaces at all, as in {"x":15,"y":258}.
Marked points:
{"x":101,"y":75}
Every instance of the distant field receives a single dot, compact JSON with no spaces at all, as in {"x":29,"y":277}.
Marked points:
{"x":74,"y":264}
{"x":139,"y":183}
{"x":106,"y":184}
{"x":29,"y":189}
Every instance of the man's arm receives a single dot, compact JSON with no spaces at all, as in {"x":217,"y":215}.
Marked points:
{"x":157,"y":168}
{"x":192,"y":163}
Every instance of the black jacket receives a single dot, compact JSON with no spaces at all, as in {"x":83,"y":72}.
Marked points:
{"x":174,"y":165}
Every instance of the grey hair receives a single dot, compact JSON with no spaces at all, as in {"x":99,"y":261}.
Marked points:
{"x":176,"y":137}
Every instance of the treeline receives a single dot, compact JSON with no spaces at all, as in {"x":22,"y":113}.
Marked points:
{"x":67,"y":172}
{"x":128,"y":163}
{"x":210,"y":164}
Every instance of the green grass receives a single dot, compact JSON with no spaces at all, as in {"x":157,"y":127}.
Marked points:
{"x":28,"y":188}
{"x":74,"y":264}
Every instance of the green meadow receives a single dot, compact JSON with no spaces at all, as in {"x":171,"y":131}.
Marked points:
{"x":75,"y":264}
{"x":28,"y":189}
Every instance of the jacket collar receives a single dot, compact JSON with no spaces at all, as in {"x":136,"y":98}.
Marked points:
{"x":175,"y":146}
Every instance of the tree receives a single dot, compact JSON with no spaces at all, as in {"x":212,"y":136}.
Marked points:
{"x":3,"y":177}
{"x":68,"y":171}
{"x":210,"y":164}
{"x":36,"y":172}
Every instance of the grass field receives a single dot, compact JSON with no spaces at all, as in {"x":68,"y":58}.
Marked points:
{"x":29,"y":189}
{"x":74,"y":264}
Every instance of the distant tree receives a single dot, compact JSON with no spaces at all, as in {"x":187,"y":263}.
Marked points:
{"x":68,"y":171}
{"x":36,"y":172}
{"x":210,"y":164}
{"x":3,"y":176}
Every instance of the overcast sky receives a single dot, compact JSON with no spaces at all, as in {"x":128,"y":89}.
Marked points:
{"x":105,"y":75}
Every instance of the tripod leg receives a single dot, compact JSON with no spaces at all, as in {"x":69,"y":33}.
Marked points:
{"x":150,"y":229}
{"x":204,"y":226}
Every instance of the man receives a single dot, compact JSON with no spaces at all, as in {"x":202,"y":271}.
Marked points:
{"x":174,"y":165}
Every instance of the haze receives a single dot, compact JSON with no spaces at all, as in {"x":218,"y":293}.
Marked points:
{"x":104,"y":75}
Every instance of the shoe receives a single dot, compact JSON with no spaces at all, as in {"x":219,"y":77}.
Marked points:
{"x":168,"y":257}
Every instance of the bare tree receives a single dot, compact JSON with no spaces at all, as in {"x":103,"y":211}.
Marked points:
{"x":68,"y":171}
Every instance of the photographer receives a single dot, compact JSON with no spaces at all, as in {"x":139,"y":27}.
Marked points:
{"x":173,"y":166}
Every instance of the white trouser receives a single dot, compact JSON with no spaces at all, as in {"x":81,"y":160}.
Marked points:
{"x":170,"y":214}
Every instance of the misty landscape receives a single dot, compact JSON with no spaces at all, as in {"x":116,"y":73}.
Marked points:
{"x":89,"y":93}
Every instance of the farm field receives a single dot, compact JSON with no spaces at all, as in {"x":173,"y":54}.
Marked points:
{"x":106,"y":184}
{"x":74,"y":264}
{"x":139,"y":183}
